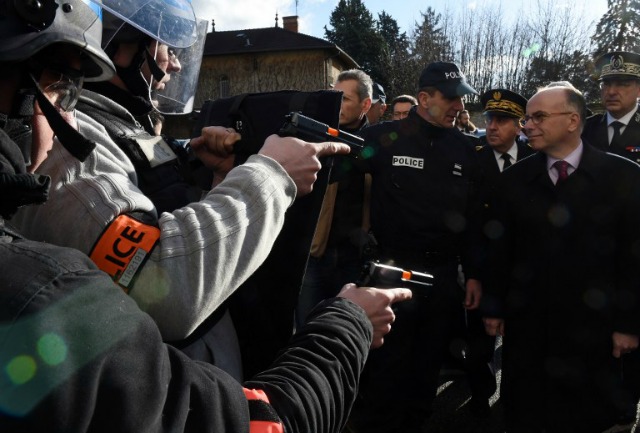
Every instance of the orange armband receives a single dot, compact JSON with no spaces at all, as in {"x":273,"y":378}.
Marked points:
{"x":262,"y":417}
{"x":123,"y":247}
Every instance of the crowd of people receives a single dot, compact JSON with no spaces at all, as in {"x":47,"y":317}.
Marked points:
{"x":118,"y":264}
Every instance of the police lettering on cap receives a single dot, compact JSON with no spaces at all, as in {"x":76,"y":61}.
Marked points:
{"x":378,"y":94}
{"x":447,"y":78}
{"x":503,"y":102}
{"x":619,"y":65}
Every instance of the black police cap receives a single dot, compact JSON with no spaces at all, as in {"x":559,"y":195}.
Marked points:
{"x":447,"y":78}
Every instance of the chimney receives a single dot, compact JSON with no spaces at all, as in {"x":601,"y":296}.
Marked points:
{"x":290,"y":23}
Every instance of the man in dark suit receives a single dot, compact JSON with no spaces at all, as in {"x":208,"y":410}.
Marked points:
{"x":617,"y":130}
{"x":620,"y":89}
{"x":503,"y":113}
{"x":563,"y":287}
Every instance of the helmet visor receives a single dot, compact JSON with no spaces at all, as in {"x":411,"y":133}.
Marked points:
{"x":175,"y":94}
{"x":171,"y":22}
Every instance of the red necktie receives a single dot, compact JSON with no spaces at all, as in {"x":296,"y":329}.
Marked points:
{"x":562,"y":168}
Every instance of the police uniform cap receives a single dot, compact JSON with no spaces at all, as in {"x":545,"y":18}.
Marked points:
{"x":447,"y":78}
{"x":618,"y":65}
{"x":378,"y":94}
{"x":503,"y":102}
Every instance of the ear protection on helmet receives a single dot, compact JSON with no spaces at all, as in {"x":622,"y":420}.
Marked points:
{"x":38,"y":14}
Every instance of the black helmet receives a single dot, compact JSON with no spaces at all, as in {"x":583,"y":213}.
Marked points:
{"x":28,"y":26}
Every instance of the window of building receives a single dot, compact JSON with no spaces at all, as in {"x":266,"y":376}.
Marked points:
{"x":224,"y":87}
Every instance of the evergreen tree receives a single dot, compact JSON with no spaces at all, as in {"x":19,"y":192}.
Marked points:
{"x":392,"y":71}
{"x":430,"y":43}
{"x":354,"y":30}
{"x":619,"y":27}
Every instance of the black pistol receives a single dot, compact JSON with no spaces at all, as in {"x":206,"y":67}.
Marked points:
{"x":375,"y":274}
{"x":308,"y":129}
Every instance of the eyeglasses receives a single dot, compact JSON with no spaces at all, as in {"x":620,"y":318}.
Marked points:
{"x":540,"y":116}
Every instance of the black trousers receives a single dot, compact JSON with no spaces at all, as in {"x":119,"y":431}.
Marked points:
{"x":401,"y":378}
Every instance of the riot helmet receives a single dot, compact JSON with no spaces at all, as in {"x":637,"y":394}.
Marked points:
{"x":34,"y":33}
{"x":165,"y":31}
{"x":29,"y":26}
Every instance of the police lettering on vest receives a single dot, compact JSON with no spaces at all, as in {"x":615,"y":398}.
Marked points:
{"x":407,"y":161}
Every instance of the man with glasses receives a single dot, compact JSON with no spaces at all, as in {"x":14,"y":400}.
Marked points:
{"x":401,"y":105}
{"x":617,"y":130}
{"x":562,"y":286}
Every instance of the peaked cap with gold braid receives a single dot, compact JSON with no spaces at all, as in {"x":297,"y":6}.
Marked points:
{"x":503,"y":102}
{"x":618,"y":65}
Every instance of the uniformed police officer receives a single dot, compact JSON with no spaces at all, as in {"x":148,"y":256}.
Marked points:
{"x":617,"y":130}
{"x":503,"y":111}
{"x":424,"y":215}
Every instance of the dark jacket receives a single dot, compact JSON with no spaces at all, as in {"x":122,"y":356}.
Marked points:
{"x":79,"y":356}
{"x":424,"y":191}
{"x":596,"y":133}
{"x":491,"y":170}
{"x":564,"y":263}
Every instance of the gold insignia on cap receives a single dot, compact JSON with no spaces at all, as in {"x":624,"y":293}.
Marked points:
{"x":505,"y":106}
{"x":497,"y":96}
{"x":617,"y":65}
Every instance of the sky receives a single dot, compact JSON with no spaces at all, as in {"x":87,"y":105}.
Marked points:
{"x":313,"y":15}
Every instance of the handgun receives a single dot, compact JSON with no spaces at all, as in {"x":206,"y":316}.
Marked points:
{"x":375,"y":274}
{"x":308,"y":129}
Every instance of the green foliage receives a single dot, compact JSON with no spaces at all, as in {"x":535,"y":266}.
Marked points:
{"x":546,"y":43}
{"x":619,"y":28}
{"x":354,"y":31}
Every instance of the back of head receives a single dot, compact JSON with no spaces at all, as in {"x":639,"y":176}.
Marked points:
{"x":27,"y":28}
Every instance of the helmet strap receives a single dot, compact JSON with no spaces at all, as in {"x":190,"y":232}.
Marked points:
{"x":132,"y":76}
{"x":157,"y":73}
{"x":75,"y":143}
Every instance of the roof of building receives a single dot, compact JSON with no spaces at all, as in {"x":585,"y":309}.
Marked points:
{"x":267,"y":40}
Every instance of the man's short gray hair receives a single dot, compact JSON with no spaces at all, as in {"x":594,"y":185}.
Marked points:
{"x":365,"y":83}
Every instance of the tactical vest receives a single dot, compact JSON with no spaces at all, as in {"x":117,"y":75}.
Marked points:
{"x":161,"y":164}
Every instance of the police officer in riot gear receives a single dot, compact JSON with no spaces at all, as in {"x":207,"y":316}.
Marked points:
{"x":180,"y":262}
